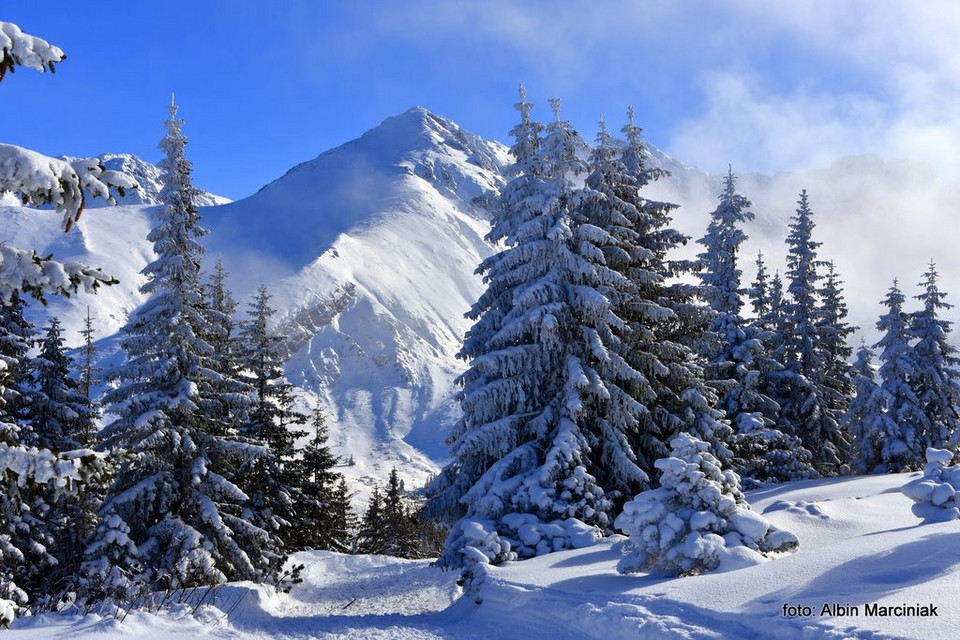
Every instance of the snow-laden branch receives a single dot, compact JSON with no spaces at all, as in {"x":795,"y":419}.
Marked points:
{"x":25,"y":270}
{"x":21,"y":48}
{"x":64,"y":184}
{"x":42,"y":180}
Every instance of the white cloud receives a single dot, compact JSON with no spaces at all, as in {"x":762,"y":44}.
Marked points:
{"x":889,"y":84}
{"x":745,"y":124}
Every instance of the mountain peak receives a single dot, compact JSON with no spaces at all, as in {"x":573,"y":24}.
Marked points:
{"x":418,"y":129}
{"x":316,"y":201}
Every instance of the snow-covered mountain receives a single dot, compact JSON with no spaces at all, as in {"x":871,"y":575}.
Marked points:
{"x":369,"y":251}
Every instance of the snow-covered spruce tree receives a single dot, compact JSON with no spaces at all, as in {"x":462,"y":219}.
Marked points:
{"x":346,"y":522}
{"x":227,"y":398}
{"x":318,"y":518}
{"x":807,"y":407}
{"x":665,"y":323}
{"x":16,"y":338}
{"x":608,"y":208}
{"x":39,"y":486}
{"x":903,"y":420}
{"x":44,"y":180}
{"x":390,"y":526}
{"x":61,"y":418}
{"x":766,"y":301}
{"x":937,"y":379}
{"x":773,"y":322}
{"x":759,"y":291}
{"x":865,"y":419}
{"x":87,"y":377}
{"x":261,"y":361}
{"x":763,"y":452}
{"x":399,"y":527}
{"x":36,"y":481}
{"x":173,"y":497}
{"x":720,"y":273}
{"x":536,"y":352}
{"x":59,"y":414}
{"x":684,"y":526}
{"x":272,"y":415}
{"x":738,"y":365}
{"x":370,"y":536}
{"x":834,"y":331}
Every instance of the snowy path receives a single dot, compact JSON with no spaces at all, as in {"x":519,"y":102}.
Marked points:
{"x":859,"y":544}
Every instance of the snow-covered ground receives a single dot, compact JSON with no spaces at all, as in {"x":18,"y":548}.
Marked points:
{"x":860,"y":545}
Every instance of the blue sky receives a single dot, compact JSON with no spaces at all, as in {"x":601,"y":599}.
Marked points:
{"x":767,"y":86}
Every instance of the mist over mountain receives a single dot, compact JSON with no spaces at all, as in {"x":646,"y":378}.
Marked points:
{"x":369,"y":252}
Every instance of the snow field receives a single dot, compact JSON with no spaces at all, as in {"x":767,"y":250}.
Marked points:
{"x":859,"y":543}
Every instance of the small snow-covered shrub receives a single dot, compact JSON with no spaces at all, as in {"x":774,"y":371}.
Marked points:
{"x":479,"y":543}
{"x":937,"y":493}
{"x":684,"y":526}
{"x":479,"y":546}
{"x":519,"y":536}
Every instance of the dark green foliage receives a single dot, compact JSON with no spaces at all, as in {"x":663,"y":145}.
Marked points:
{"x":391,"y":527}
{"x":16,"y":338}
{"x":60,"y":414}
{"x":322,"y":518}
{"x":87,"y":378}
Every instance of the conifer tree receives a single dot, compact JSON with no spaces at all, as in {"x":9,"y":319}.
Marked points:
{"x":608,"y":208}
{"x":774,"y":321}
{"x":524,"y":442}
{"x":698,"y":512}
{"x":272,"y":416}
{"x":59,"y":413}
{"x":370,"y":536}
{"x":904,"y":420}
{"x":345,"y":522}
{"x":34,"y":562}
{"x":760,"y":289}
{"x":271,"y":411}
{"x":837,"y":376}
{"x":937,"y":379}
{"x":87,"y":378}
{"x":664,"y":322}
{"x":226,"y":396}
{"x":400,"y":535}
{"x":319,"y":519}
{"x":763,"y":452}
{"x":735,"y":354}
{"x":865,"y":419}
{"x":188,"y":522}
{"x":16,"y":338}
{"x":24,"y":536}
{"x":803,"y":395}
